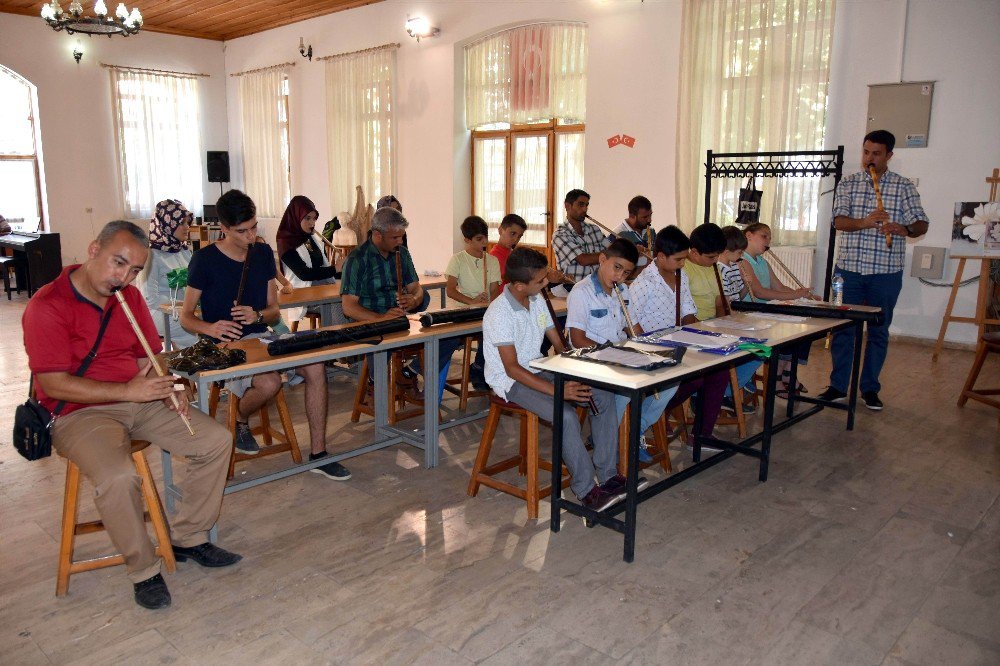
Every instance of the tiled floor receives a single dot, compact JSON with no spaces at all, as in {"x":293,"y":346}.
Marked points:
{"x":877,"y":546}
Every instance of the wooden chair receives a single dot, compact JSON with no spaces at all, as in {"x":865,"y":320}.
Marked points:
{"x":275,"y":441}
{"x":460,"y":386}
{"x":528,"y":460}
{"x":989,"y":343}
{"x":660,"y":439}
{"x":739,"y":419}
{"x":400,"y":397}
{"x":7,"y":264}
{"x":71,"y":529}
{"x":312,"y":317}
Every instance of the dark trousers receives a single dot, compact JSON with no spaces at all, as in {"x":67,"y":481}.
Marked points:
{"x":878,"y":290}
{"x":712,"y":386}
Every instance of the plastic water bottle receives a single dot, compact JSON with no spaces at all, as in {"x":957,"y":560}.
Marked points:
{"x":837,"y":290}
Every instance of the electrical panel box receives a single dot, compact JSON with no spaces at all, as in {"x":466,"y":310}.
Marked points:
{"x":902,"y":108}
{"x":928,"y":262}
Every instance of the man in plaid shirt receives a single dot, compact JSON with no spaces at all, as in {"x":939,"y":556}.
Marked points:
{"x":577,"y":244}
{"x":872,"y":271}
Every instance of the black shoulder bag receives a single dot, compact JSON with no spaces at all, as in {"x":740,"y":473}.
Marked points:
{"x":33,"y":423}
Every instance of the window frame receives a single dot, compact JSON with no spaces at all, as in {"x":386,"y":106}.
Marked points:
{"x":43,"y":225}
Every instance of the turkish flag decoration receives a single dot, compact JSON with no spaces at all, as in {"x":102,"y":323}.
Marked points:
{"x":529,"y":54}
{"x":614,"y":141}
{"x":628,"y":140}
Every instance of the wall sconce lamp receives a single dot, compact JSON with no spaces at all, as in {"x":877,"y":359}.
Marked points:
{"x":77,"y":54}
{"x":418,"y":27}
{"x":304,"y":51}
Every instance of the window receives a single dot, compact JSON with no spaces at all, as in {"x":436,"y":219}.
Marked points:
{"x":754,"y":77}
{"x":525,"y":94}
{"x":159,"y":139}
{"x":20,"y":172}
{"x":264,"y":114}
{"x":360,"y":124}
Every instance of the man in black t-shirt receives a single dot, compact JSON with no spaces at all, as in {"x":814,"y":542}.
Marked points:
{"x":238,"y":299}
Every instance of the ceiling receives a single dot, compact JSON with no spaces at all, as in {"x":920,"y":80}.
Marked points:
{"x":208,"y":19}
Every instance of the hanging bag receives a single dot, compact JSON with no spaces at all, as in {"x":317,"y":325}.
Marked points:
{"x":749,"y":203}
{"x":33,"y":423}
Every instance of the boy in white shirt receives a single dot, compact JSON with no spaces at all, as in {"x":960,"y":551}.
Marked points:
{"x":594,"y":316}
{"x":513,"y":328}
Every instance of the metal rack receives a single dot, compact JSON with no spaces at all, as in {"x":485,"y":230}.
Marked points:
{"x":782,"y":164}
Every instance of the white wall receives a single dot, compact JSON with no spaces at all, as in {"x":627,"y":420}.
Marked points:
{"x":74,"y":104}
{"x":632,"y":88}
{"x":957,"y":44}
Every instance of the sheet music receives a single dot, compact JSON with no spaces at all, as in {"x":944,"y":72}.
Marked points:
{"x":737,"y":324}
{"x":792,"y":319}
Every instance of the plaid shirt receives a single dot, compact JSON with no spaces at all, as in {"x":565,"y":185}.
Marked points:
{"x":372,"y":277}
{"x":865,"y":251}
{"x":567,"y":245}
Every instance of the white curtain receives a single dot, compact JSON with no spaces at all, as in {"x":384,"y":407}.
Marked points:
{"x":754,"y":77}
{"x":159,"y":139}
{"x":527,"y":74}
{"x":361,"y":142}
{"x":263,"y":108}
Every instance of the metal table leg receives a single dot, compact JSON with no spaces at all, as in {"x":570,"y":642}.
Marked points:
{"x":557,"y":458}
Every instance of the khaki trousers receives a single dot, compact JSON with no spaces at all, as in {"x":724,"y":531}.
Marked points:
{"x":98,"y":440}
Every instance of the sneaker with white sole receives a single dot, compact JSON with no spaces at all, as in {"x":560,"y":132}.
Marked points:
{"x":832,"y":395}
{"x":246,"y":443}
{"x":871,"y":401}
{"x":333,"y":470}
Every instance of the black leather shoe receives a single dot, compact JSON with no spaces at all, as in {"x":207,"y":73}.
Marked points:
{"x":207,"y":555}
{"x":152,"y":593}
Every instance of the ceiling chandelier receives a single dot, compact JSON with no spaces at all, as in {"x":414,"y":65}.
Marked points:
{"x":72,"y":21}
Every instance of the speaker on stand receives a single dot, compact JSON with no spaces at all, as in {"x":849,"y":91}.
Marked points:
{"x":217,"y":164}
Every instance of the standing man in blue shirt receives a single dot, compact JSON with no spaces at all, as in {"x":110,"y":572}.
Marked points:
{"x":872,"y":270}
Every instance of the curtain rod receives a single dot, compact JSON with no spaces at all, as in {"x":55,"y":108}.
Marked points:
{"x":394,"y":45}
{"x":154,"y":71}
{"x":482,"y":39}
{"x":265,"y":69}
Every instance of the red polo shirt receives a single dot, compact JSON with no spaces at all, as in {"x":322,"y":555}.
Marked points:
{"x":501,"y":253}
{"x":60,"y":326}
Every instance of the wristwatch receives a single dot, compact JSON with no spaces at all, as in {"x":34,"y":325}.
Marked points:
{"x":260,"y":317}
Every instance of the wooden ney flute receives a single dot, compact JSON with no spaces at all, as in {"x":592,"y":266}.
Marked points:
{"x":878,"y":199}
{"x":643,"y":251}
{"x":726,"y":308}
{"x":150,"y":355}
{"x":399,"y":277}
{"x":562,"y":336}
{"x":784,"y":268}
{"x":628,"y":320}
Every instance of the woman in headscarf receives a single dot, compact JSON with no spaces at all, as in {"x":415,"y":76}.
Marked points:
{"x":166,"y":268}
{"x":304,"y":261}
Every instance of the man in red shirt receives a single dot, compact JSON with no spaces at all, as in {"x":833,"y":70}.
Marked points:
{"x":118,"y":399}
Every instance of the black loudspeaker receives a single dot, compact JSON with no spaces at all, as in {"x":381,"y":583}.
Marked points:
{"x":218,"y":166}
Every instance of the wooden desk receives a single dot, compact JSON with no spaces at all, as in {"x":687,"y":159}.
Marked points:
{"x":982,"y":298}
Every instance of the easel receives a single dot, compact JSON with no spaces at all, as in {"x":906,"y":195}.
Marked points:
{"x":982,"y":298}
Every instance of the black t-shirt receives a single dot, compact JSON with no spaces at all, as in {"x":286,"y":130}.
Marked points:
{"x":218,"y":278}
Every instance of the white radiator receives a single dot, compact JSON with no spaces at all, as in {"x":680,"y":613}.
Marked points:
{"x":799,"y":261}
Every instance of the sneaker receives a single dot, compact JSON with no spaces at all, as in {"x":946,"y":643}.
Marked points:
{"x":706,"y":444}
{"x":871,"y":401}
{"x":644,"y":456}
{"x":730,"y":406}
{"x":333,"y":470}
{"x":296,"y":380}
{"x":245,"y":441}
{"x":616,"y":485}
{"x":152,"y":593}
{"x":599,"y":500}
{"x":832,"y":395}
{"x":207,"y":555}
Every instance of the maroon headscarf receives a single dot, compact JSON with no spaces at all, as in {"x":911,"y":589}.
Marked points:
{"x":290,"y":234}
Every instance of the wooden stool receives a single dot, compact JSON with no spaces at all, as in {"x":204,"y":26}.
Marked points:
{"x":312,"y":317}
{"x":364,"y":401}
{"x":70,"y":528}
{"x":7,"y":264}
{"x":464,"y":390}
{"x":989,"y":343}
{"x":662,"y":455}
{"x":739,"y":419}
{"x":528,"y":461}
{"x":275,"y":441}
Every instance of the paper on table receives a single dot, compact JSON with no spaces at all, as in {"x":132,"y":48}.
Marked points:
{"x":735,"y":324}
{"x":621,"y":357}
{"x":778,"y":317}
{"x":705,"y":341}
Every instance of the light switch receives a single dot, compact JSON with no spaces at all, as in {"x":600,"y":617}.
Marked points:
{"x":926,"y":260}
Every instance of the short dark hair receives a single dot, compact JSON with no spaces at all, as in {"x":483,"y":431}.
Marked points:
{"x":115,"y":227}
{"x":735,"y":238}
{"x":513,"y":219}
{"x":234,"y":207}
{"x":638,"y":203}
{"x":474,"y":226}
{"x":754,"y":228}
{"x":708,"y":238}
{"x":622,"y":248}
{"x":573,"y":195}
{"x":524,"y":263}
{"x":670,"y":240}
{"x":885,"y":137}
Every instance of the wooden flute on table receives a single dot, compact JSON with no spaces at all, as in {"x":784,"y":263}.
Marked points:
{"x":562,"y":336}
{"x":785,"y":268}
{"x":151,"y":356}
{"x":643,"y":251}
{"x":878,"y":200}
